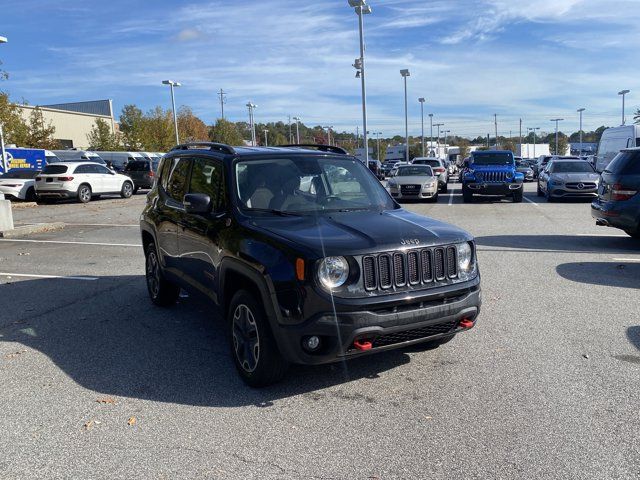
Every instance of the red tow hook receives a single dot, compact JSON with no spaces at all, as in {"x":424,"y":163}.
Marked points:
{"x":362,"y":345}
{"x":466,"y":323}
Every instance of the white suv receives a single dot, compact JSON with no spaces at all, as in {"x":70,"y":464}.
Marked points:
{"x":81,"y":180}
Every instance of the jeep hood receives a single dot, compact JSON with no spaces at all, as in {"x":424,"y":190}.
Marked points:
{"x":356,"y":233}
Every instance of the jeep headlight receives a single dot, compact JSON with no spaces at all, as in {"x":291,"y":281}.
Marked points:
{"x":466,"y":262}
{"x":509,"y":175}
{"x":333,"y":272}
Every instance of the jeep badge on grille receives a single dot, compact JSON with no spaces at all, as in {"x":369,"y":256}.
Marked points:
{"x":410,"y":241}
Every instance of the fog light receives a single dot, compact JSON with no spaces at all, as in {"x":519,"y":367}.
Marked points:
{"x":311,"y":343}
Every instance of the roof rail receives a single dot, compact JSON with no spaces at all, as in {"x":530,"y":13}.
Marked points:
{"x":218,"y":147}
{"x":322,"y":148}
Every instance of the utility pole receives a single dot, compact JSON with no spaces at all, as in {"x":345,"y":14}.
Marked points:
{"x":520,"y":149}
{"x":422,"y":100}
{"x":431,"y":135}
{"x":580,"y":110}
{"x":290,"y":131}
{"x":362,"y":9}
{"x":357,"y":136}
{"x":297,"y":119}
{"x":223,"y":100}
{"x":623,"y":93}
{"x":557,"y":120}
{"x":488,"y":140}
{"x":266,"y":137}
{"x":405,"y":73}
{"x":495,"y":122}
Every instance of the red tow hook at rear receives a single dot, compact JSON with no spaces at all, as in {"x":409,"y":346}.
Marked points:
{"x":466,"y":323}
{"x":362,"y":345}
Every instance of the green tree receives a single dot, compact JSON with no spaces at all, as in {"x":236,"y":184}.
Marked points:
{"x":40,"y":132}
{"x":132,"y":126}
{"x":226,"y":132}
{"x":158,"y":130}
{"x":14,"y":126}
{"x":563,"y":144}
{"x":102,"y":138}
{"x":509,"y":144}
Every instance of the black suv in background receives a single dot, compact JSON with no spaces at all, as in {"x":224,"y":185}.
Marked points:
{"x":306,"y":254}
{"x":142,"y":172}
{"x":618,"y":202}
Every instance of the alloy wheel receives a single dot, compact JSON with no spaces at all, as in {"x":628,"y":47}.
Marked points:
{"x":246,"y":339}
{"x":153,"y":274}
{"x":85,"y":194}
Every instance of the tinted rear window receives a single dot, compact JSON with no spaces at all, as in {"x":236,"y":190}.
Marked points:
{"x":137,"y":166}
{"x":54,"y":169}
{"x":625,"y":163}
{"x":431,"y":163}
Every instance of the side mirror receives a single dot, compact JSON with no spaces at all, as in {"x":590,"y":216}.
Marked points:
{"x":197,"y":203}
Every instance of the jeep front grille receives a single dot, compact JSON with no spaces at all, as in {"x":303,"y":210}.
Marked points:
{"x":426,"y":266}
{"x":495,"y":176}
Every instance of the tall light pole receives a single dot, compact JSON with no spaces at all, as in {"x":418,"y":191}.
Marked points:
{"x":173,"y":84}
{"x":438,"y":141}
{"x":422,"y":100}
{"x":252,"y":124}
{"x":495,"y":123}
{"x":377,"y":134}
{"x":534,"y":139}
{"x":623,"y":93}
{"x":297,"y":119}
{"x":446,"y":134}
{"x":405,"y":73}
{"x":362,"y":9}
{"x":4,"y":155}
{"x":431,"y":134}
{"x":266,"y":137}
{"x":329,"y":135}
{"x":580,"y":110}
{"x":557,"y":120}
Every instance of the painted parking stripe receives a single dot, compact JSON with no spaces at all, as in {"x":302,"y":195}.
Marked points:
{"x":99,"y":225}
{"x":25,"y":275}
{"x":627,"y":260}
{"x":600,"y":235}
{"x":61,"y":242}
{"x":451,"y":198}
{"x":535,"y":204}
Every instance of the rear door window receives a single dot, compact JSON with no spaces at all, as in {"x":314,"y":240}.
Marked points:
{"x":177,"y":182}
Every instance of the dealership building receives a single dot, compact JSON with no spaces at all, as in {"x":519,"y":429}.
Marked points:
{"x":73,"y":121}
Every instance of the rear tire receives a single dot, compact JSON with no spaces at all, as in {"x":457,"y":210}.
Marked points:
{"x":127,"y":189}
{"x":162,"y":292}
{"x":84,"y":193}
{"x":253,"y":348}
{"x":30,"y":196}
{"x":517,"y":196}
{"x":540,"y":193}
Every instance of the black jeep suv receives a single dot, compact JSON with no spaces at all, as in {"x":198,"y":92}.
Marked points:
{"x":306,"y":254}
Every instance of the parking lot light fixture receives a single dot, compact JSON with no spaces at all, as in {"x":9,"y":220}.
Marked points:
{"x":266,"y":137}
{"x":431,"y":133}
{"x":557,"y":120}
{"x":173,"y":85}
{"x":533,"y":129}
{"x":422,"y":100}
{"x":361,"y":9}
{"x":4,"y":156}
{"x":405,"y":73}
{"x":580,"y":110}
{"x":329,"y":135}
{"x":623,"y":93}
{"x":252,"y":124}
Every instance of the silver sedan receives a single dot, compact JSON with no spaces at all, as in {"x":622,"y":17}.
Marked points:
{"x":568,"y":179}
{"x":416,"y":182}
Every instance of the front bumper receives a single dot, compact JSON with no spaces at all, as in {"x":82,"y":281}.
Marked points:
{"x":386,"y":326}
{"x":559,"y":191}
{"x":487,"y":188}
{"x":423,"y":193}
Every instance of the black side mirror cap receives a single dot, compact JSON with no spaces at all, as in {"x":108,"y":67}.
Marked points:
{"x":197,"y":203}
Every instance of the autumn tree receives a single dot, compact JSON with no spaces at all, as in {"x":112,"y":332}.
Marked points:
{"x":226,"y":132}
{"x":190,"y":127}
{"x":563,"y":144}
{"x":132,"y":126}
{"x":158,"y":130}
{"x":102,"y":138}
{"x":14,"y":126}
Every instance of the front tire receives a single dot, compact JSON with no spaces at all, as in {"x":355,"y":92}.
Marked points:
{"x":84,"y":193}
{"x":162,"y":292}
{"x":467,"y":195}
{"x":434,"y":199}
{"x":517,"y":196}
{"x":445,"y":188}
{"x":127,"y":190}
{"x":254,"y":351}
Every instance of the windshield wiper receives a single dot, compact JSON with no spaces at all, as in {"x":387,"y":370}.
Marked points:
{"x":281,"y":213}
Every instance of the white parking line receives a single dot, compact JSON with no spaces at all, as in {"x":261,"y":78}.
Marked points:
{"x":98,"y":225}
{"x":72,"y":243}
{"x":451,"y":198}
{"x":535,"y":204}
{"x":627,"y":260}
{"x":600,"y":235}
{"x":24,"y":275}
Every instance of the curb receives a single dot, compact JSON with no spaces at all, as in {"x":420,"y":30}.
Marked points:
{"x":23,"y":230}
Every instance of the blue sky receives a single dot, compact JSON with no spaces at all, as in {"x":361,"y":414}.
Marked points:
{"x":469,"y":58}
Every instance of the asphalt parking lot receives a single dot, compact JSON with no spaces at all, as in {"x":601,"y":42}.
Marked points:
{"x":98,"y":383}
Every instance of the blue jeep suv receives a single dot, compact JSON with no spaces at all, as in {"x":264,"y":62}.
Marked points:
{"x":492,"y":172}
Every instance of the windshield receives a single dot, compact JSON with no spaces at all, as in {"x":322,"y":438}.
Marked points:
{"x":309,"y":185}
{"x":493,"y":159}
{"x":571,"y":167}
{"x":522,"y":164}
{"x":415,"y":171}
{"x":433,"y":163}
{"x":21,"y":173}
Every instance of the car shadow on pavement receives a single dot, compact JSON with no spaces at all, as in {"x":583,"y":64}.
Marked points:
{"x":633,"y":334}
{"x":567,"y":243}
{"x":610,"y":274}
{"x":108,"y":337}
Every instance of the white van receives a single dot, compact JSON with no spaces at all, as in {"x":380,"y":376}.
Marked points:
{"x":118,"y":160}
{"x":73,"y":155}
{"x":613,"y":140}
